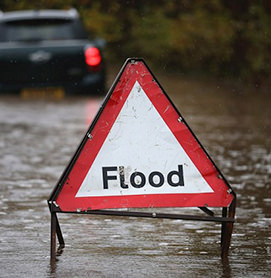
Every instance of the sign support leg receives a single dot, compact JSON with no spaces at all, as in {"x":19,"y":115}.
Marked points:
{"x":59,"y":235}
{"x":223,"y":224}
{"x":53,"y":236}
{"x":226,"y":229}
{"x":56,"y":231}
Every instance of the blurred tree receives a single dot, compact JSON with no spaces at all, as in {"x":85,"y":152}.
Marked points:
{"x":216,"y":37}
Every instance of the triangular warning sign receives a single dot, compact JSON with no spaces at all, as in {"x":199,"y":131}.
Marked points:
{"x":139,"y":152}
{"x":140,"y":141}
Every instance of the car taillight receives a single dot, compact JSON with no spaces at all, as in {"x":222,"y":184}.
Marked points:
{"x":93,"y":56}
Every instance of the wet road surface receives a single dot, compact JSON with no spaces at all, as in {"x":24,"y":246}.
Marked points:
{"x":37,"y":140}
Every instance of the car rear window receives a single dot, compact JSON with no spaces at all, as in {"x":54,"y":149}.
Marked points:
{"x":45,"y":29}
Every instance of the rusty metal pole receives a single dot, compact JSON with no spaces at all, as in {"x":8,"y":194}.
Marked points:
{"x":53,"y":236}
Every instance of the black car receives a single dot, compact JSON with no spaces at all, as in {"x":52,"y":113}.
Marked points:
{"x":49,"y":49}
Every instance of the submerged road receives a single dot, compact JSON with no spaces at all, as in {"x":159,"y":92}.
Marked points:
{"x":37,"y":139}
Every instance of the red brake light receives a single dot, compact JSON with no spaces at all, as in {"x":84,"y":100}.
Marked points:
{"x":93,"y":56}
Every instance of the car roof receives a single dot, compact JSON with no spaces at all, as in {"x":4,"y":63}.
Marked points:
{"x":38,"y":14}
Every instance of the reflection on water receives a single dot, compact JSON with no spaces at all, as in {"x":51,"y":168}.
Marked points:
{"x":38,"y":139}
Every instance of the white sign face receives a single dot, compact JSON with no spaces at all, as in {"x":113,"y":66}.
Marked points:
{"x":141,"y":156}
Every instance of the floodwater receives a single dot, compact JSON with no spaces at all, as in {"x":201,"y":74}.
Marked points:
{"x":38,"y":138}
